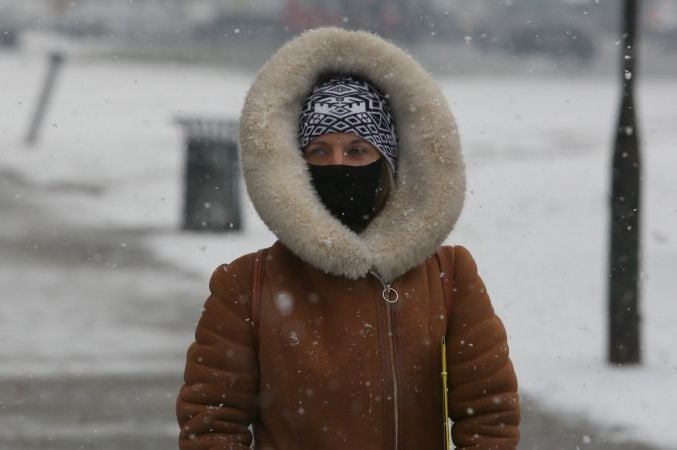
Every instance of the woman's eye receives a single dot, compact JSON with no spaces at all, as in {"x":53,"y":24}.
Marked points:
{"x":316,"y":151}
{"x":358,"y":151}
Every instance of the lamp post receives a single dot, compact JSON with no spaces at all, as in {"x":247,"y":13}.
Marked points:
{"x":56,"y":60}
{"x":624,"y":319}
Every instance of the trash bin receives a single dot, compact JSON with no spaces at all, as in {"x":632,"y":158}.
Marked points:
{"x":211,"y":175}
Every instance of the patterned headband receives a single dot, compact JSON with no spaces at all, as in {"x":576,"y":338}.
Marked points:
{"x":344,"y":104}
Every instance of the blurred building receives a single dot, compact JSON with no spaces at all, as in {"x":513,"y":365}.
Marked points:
{"x":554,"y":28}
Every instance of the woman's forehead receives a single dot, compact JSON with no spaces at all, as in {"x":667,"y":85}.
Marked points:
{"x":343,"y":138}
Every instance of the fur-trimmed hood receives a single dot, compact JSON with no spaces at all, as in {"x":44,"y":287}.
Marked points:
{"x":430,"y":184}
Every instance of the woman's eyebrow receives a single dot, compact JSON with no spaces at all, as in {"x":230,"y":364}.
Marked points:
{"x":317,"y":142}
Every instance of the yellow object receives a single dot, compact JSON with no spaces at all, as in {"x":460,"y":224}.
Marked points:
{"x":447,"y":429}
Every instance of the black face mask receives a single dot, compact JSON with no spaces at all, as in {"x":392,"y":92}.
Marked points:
{"x":348,"y":192}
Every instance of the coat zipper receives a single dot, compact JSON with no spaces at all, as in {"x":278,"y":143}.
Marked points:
{"x":391,"y":296}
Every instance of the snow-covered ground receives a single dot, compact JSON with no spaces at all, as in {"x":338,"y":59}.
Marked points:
{"x":537,"y":150}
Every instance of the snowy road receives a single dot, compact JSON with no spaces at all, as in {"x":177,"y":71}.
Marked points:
{"x":111,"y":412}
{"x":134,"y":408}
{"x":114,"y":301}
{"x":122,"y":412}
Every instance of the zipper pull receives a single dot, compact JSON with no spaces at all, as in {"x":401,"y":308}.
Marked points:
{"x":390,"y":295}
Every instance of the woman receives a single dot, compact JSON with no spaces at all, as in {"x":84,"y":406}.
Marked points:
{"x":330,"y":339}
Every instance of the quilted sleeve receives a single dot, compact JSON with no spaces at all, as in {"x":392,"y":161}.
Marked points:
{"x":483,"y":398}
{"x":217,"y":403}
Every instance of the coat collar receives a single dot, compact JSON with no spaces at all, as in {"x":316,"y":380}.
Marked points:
{"x":430,"y":185}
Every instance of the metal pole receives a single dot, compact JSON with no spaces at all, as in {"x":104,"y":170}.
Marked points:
{"x":624,"y":319}
{"x":55,"y":61}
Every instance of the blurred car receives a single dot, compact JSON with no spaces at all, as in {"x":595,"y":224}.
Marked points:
{"x":220,"y":21}
{"x":557,"y":28}
{"x":136,"y":21}
{"x":301,"y":15}
{"x":551,"y":38}
{"x":398,"y":19}
{"x":660,"y":20}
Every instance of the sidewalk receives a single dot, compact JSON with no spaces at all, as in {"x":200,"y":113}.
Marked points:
{"x":130,"y":318}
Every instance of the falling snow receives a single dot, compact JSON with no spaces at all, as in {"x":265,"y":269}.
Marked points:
{"x":537,"y":153}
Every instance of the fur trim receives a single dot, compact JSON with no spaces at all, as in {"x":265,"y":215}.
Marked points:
{"x":430,"y":184}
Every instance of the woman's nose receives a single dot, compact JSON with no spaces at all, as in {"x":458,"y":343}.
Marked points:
{"x":337,"y":156}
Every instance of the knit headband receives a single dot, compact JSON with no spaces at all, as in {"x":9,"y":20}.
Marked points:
{"x":344,"y":104}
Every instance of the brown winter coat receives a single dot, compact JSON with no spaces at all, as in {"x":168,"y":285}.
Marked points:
{"x":323,"y":378}
{"x":330,"y":365}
